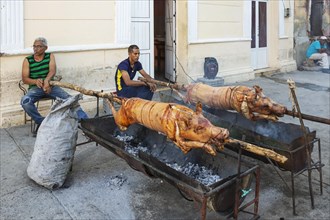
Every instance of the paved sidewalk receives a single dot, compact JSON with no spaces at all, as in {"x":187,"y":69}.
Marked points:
{"x":90,"y":192}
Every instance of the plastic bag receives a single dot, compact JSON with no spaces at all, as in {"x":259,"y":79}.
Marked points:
{"x":55,"y":144}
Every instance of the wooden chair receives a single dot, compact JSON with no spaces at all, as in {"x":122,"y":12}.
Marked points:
{"x":24,"y":89}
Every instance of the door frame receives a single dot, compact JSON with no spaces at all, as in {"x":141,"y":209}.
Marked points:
{"x":170,"y":40}
{"x":259,"y":55}
{"x":142,"y":32}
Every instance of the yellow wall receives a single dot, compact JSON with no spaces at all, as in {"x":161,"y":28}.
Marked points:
{"x":217,"y":19}
{"x":68,"y":26}
{"x":222,"y":21}
{"x":70,"y":22}
{"x":231,"y":62}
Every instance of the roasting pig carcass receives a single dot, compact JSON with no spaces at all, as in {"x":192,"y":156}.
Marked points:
{"x":186,"y":128}
{"x":251,"y":102}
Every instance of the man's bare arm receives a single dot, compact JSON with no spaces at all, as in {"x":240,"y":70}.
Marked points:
{"x":130,"y":82}
{"x":51,"y":74}
{"x":144,"y":74}
{"x":26,"y":75}
{"x":152,"y":86}
{"x":52,"y":68}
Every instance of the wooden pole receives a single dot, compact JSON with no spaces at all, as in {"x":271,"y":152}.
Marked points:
{"x":161,"y":83}
{"x":82,"y":90}
{"x":292,"y":88}
{"x":258,"y":150}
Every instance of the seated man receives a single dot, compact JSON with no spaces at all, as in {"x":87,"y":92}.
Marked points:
{"x":318,"y":51}
{"x":38,"y":69}
{"x":125,"y":73}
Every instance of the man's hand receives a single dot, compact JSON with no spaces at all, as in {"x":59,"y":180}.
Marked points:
{"x":39,"y":83}
{"x":323,"y":50}
{"x":152,"y":86}
{"x":46,"y":87}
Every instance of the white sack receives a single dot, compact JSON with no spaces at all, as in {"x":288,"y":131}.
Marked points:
{"x":55,"y":144}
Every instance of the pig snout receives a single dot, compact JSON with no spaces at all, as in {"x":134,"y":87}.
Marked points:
{"x":267,"y":106}
{"x":279,"y":109}
{"x":220,"y":134}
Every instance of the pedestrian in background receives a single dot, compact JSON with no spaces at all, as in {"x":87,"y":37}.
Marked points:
{"x":318,"y":50}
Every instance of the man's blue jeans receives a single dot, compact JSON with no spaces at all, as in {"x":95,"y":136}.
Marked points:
{"x":35,"y":94}
{"x":142,"y":92}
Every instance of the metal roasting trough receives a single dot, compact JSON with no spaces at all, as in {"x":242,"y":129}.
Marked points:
{"x":284,"y":138}
{"x":292,"y":141}
{"x":225,"y":183}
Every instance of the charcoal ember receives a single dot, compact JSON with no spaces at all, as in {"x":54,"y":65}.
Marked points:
{"x":200,"y":173}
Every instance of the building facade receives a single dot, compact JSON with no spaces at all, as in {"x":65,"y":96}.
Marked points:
{"x":89,"y":38}
{"x":312,"y":19}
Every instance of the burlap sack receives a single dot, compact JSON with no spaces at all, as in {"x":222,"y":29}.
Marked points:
{"x":55,"y":144}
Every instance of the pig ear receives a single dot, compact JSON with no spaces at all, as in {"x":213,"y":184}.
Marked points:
{"x":257,"y":88}
{"x":199,"y":108}
{"x":258,"y":91}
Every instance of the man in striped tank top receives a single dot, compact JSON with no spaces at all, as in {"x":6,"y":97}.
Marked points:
{"x":38,"y":69}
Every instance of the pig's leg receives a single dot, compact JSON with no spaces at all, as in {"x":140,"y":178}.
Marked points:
{"x":116,"y":115}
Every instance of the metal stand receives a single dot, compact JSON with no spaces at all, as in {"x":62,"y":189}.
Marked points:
{"x":255,"y":201}
{"x":97,"y":106}
{"x":96,"y":115}
{"x":238,"y":179}
{"x":312,"y":165}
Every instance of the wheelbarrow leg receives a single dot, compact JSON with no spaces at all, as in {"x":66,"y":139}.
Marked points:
{"x":203,"y":209}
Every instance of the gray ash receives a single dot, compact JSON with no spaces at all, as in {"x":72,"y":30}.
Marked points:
{"x":116,"y":181}
{"x":125,"y":138}
{"x":200,"y":173}
{"x":134,"y":150}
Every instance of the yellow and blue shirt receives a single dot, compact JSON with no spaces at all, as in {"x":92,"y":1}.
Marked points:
{"x":125,"y":65}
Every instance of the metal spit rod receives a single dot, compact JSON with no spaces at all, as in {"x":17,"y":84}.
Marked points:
{"x":308,"y":117}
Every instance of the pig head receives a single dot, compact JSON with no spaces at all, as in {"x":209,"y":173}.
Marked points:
{"x":189,"y":129}
{"x":254,"y":105}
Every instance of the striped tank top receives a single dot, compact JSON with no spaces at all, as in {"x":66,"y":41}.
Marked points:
{"x":38,"y":69}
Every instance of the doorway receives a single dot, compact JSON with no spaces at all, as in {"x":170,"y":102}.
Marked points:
{"x":316,"y":14}
{"x":259,"y":50}
{"x":164,"y":38}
